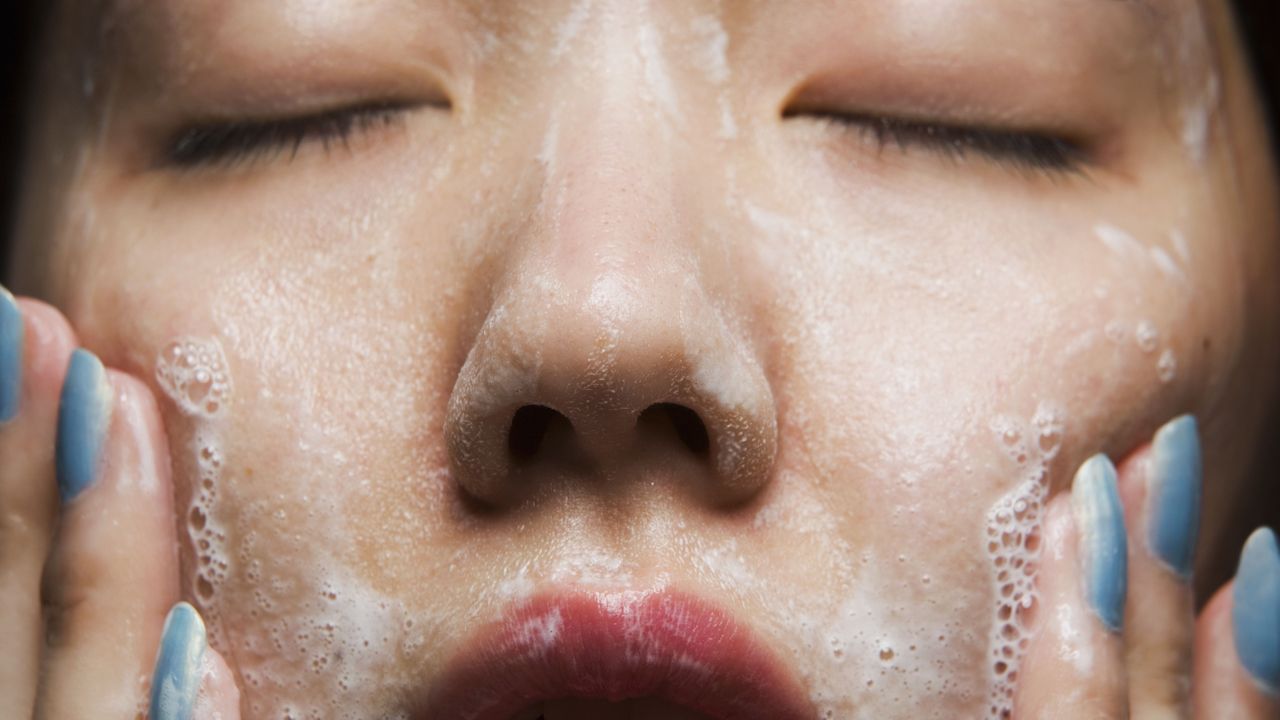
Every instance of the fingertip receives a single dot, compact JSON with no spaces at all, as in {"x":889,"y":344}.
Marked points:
{"x":218,"y":697}
{"x":191,"y":681}
{"x":135,"y":392}
{"x":1103,"y":544}
{"x":179,"y":665}
{"x":48,"y":340}
{"x":1255,"y":613}
{"x":12,"y":332}
{"x":1058,"y":530}
{"x":1074,"y":666}
{"x":116,"y":555}
{"x":1222,"y":685}
{"x":1173,"y":499}
{"x":1160,"y":483}
{"x":137,"y":418}
{"x":35,"y":343}
{"x":84,"y":413}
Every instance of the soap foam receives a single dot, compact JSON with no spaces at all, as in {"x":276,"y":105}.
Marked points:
{"x":1013,"y":546}
{"x":570,"y":27}
{"x":884,"y":633}
{"x":193,"y":373}
{"x":1118,"y":241}
{"x":715,"y":64}
{"x":658,"y":83}
{"x":289,"y":630}
{"x":206,"y":531}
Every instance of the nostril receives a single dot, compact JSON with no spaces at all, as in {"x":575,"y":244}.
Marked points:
{"x":689,"y":427}
{"x":687,"y":424}
{"x":528,"y":428}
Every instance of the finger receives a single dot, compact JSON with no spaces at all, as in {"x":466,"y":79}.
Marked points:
{"x":1074,"y":667}
{"x":218,"y":697}
{"x":35,"y":342}
{"x":113,"y":572}
{"x":1160,"y":487}
{"x":1237,"y":663}
{"x":190,"y":679}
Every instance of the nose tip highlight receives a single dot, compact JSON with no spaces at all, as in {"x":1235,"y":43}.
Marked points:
{"x":536,"y":399}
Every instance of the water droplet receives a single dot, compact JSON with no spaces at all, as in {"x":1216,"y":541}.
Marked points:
{"x":1167,"y":366}
{"x":1147,"y":336}
{"x":1050,"y":438}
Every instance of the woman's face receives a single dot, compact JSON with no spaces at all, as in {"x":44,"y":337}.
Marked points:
{"x":887,"y":270}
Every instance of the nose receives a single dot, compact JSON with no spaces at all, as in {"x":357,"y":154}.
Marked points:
{"x":605,"y":381}
{"x":603,"y":358}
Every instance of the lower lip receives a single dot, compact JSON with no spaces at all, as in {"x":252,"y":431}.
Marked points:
{"x":616,"y":646}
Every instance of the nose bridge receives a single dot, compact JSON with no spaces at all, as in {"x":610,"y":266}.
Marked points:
{"x":602,"y":312}
{"x":613,"y":254}
{"x":611,"y":185}
{"x":613,"y":150}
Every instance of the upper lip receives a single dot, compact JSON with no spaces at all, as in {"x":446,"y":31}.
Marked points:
{"x":666,"y":645}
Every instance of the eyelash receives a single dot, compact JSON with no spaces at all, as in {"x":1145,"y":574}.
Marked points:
{"x":230,"y":142}
{"x":1024,"y":151}
{"x":242,"y":140}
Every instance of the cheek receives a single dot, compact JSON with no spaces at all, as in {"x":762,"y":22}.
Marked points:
{"x":333,"y":480}
{"x":933,"y":395}
{"x":302,"y":412}
{"x":296,"y":486}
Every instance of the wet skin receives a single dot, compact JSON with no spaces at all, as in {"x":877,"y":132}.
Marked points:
{"x":604,"y":207}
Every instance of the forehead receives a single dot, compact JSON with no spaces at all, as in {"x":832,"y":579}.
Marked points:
{"x":163,"y":24}
{"x":163,"y":44}
{"x":1148,"y":13}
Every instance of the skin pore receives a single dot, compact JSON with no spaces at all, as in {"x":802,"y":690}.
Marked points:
{"x":599,"y":206}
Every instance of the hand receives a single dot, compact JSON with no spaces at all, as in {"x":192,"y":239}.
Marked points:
{"x":1116,"y":635}
{"x":86,"y":501}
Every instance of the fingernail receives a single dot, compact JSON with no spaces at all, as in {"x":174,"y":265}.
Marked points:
{"x":1095,"y":502}
{"x":10,"y":356}
{"x":176,"y":677}
{"x":1255,"y":609}
{"x":1173,"y":494}
{"x":83,"y":412}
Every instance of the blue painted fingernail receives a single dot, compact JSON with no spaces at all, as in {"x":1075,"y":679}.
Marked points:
{"x":1173,"y":494}
{"x":83,"y":413}
{"x":10,"y":356}
{"x":1095,"y":501}
{"x":1255,"y":609}
{"x":176,"y":678}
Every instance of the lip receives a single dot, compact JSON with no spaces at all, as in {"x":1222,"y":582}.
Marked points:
{"x":615,"y":646}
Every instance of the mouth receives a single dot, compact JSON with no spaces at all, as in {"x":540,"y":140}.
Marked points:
{"x":629,"y":655}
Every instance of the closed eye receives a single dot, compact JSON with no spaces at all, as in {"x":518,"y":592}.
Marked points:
{"x":1024,"y":150}
{"x":225,"y":142}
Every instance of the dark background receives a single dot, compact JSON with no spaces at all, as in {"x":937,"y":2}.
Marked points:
{"x":1259,"y":20}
